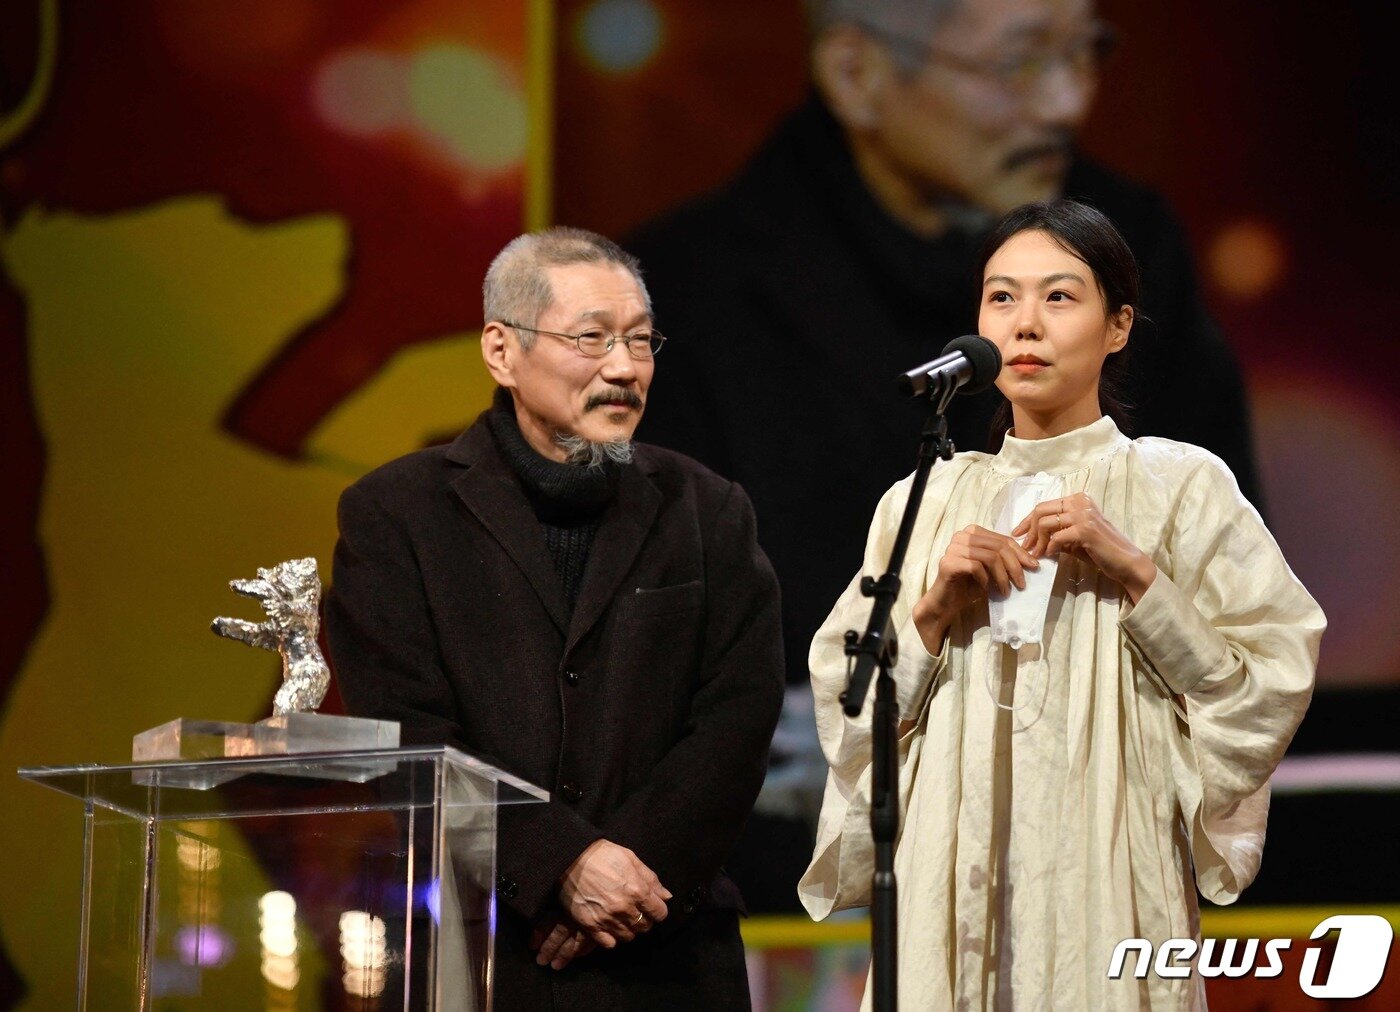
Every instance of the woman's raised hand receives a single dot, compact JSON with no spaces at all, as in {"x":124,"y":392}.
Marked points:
{"x":976,"y":562}
{"x":1075,"y":524}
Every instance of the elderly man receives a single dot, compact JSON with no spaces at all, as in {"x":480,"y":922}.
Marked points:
{"x":590,"y":614}
{"x":843,"y":255}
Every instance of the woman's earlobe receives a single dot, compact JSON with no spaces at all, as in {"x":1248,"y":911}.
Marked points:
{"x":1123,"y":327}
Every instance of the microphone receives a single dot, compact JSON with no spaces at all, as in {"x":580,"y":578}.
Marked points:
{"x":971,"y":361}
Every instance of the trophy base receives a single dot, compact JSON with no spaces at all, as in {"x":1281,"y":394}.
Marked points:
{"x":184,"y":739}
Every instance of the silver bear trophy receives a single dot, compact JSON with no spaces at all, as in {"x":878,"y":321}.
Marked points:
{"x":290,"y":593}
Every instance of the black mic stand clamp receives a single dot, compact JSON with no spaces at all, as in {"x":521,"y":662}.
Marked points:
{"x":878,"y":650}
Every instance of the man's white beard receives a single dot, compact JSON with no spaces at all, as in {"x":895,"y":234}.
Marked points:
{"x":586,"y":453}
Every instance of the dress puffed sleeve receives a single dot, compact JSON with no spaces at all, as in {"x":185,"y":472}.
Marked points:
{"x":843,"y":860}
{"x":1233,"y":633}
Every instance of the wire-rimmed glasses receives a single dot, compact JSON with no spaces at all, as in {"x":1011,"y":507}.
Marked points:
{"x":599,"y":341}
{"x":1018,"y":72}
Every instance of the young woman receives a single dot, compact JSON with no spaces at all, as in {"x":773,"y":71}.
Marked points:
{"x":1103,"y":656}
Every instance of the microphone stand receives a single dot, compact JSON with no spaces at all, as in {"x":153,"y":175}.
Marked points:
{"x":878,"y":650}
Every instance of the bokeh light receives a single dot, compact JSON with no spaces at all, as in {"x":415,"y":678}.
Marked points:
{"x":277,"y":905}
{"x":203,"y":945}
{"x":282,"y":972}
{"x":277,"y":933}
{"x":1247,"y":259}
{"x":619,"y":36}
{"x":458,"y":103}
{"x":362,"y":92}
{"x":197,"y":855}
{"x":365,"y":952}
{"x":432,"y":898}
{"x":462,"y":98}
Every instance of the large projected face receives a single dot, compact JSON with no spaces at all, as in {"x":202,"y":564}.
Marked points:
{"x":990,"y":113}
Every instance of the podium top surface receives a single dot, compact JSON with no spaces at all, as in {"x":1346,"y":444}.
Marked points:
{"x":360,"y":780}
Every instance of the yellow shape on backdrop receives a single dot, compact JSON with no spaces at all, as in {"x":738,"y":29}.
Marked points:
{"x":426,"y":393}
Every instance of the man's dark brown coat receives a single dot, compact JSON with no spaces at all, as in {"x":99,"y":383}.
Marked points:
{"x":646,"y":713}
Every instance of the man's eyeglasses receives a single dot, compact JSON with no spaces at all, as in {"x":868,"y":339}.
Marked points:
{"x":1019,"y":71}
{"x":598,"y":342}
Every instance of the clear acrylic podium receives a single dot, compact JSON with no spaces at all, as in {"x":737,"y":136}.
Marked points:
{"x":335,"y":880}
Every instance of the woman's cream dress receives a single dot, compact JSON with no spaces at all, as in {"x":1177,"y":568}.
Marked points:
{"x":1135,"y":754}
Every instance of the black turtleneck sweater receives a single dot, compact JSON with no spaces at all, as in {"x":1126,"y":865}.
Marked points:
{"x":568,"y":499}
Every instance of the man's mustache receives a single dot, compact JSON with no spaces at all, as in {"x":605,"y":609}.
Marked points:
{"x":1059,"y":143}
{"x":614,"y":395}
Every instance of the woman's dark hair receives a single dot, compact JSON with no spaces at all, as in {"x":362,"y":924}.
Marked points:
{"x":1086,"y":233}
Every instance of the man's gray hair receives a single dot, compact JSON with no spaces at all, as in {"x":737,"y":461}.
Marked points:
{"x":516,"y":289}
{"x":913,"y":21}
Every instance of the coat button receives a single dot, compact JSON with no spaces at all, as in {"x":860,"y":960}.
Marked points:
{"x":692,"y":900}
{"x":506,"y":887}
{"x":571,"y":792}
{"x":571,"y":676}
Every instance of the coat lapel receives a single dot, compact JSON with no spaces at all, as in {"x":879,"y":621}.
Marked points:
{"x":620,"y":536}
{"x":493,"y":494}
